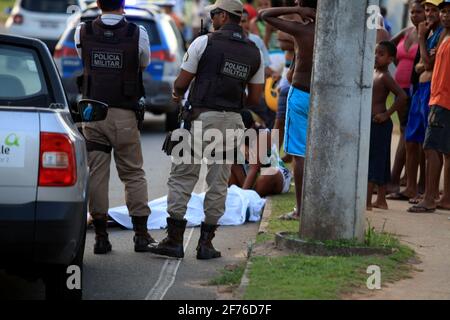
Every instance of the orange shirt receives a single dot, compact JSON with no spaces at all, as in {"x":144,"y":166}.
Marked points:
{"x":440,"y":84}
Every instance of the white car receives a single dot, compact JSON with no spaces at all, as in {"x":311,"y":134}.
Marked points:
{"x":42,"y":19}
{"x":43,"y":171}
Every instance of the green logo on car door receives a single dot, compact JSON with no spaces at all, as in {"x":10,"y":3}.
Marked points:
{"x":12,"y":140}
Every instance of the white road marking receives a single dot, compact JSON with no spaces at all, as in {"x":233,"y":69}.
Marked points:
{"x":167,"y":276}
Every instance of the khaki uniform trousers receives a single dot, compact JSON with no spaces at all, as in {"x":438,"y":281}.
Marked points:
{"x":120,"y":131}
{"x":183,"y":177}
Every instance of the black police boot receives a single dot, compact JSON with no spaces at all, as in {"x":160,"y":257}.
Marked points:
{"x":102,"y":244}
{"x":172,"y":245}
{"x":142,"y":239}
{"x":205,"y":248}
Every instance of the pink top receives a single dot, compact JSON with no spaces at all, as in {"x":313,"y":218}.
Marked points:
{"x":405,"y":63}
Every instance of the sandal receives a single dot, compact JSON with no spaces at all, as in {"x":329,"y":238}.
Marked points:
{"x":397,"y":197}
{"x":421,"y":209}
{"x":416,"y":200}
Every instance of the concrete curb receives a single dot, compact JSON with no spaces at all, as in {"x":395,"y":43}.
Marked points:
{"x":240,"y":291}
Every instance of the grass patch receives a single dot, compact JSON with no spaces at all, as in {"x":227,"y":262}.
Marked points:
{"x":3,"y":5}
{"x":298,"y":276}
{"x":230,"y":276}
{"x":372,"y":239}
{"x":264,"y":237}
{"x":282,"y":204}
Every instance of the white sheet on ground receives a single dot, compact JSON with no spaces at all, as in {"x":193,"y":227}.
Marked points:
{"x":241,"y":206}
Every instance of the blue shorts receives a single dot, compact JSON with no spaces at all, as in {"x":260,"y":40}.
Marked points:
{"x":296,"y":127}
{"x":282,"y":102}
{"x":418,"y":114}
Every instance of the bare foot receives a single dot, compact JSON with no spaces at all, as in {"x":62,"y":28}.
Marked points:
{"x":425,"y":205}
{"x":416,"y":200}
{"x":443,"y":205}
{"x":381,"y":205}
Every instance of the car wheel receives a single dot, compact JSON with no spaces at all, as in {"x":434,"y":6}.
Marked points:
{"x":59,"y":277}
{"x":171,"y":121}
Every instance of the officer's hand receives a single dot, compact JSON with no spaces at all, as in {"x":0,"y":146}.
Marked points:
{"x":176,"y":98}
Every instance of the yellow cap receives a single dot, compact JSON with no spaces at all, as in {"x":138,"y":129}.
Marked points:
{"x":433,"y":2}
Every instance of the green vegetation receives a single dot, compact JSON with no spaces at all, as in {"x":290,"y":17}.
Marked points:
{"x":298,"y":276}
{"x":231,"y":276}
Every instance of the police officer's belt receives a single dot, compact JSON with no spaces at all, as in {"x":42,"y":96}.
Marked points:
{"x":198,"y":110}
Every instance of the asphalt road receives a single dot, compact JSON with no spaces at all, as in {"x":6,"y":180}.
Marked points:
{"x":124,"y":274}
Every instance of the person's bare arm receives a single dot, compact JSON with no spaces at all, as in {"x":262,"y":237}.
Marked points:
{"x":254,"y":168}
{"x":254,"y":94}
{"x":251,"y":176}
{"x":399,"y":36}
{"x":420,"y":67}
{"x":427,"y":59}
{"x":272,"y":16}
{"x":286,"y":41}
{"x":181,"y":85}
{"x":400,"y":101}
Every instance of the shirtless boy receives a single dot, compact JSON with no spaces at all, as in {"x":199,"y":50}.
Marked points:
{"x":381,"y":127}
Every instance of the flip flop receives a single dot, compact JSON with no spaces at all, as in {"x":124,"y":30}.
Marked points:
{"x":420,"y":209}
{"x":415,"y":200}
{"x":397,"y":197}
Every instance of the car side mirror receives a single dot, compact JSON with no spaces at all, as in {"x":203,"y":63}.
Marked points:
{"x":7,"y":11}
{"x":92,"y":110}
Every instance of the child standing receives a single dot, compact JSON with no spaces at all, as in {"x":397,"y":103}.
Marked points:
{"x":381,"y":127}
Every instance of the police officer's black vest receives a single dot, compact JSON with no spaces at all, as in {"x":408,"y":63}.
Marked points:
{"x":224,"y":70}
{"x":111,"y":63}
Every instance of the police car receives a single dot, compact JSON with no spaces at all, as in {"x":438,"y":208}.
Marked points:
{"x":167,"y":51}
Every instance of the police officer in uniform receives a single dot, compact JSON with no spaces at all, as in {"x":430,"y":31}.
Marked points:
{"x":224,"y":64}
{"x":114,"y":54}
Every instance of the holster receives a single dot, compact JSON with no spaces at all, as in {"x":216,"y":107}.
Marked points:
{"x":140,"y":114}
{"x":185,"y":117}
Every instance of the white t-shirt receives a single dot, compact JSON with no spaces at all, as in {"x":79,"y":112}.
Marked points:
{"x":195,"y":52}
{"x":262,"y":47}
{"x":113,"y":19}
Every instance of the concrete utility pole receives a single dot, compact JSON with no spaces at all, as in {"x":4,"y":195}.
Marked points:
{"x":335,"y":182}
